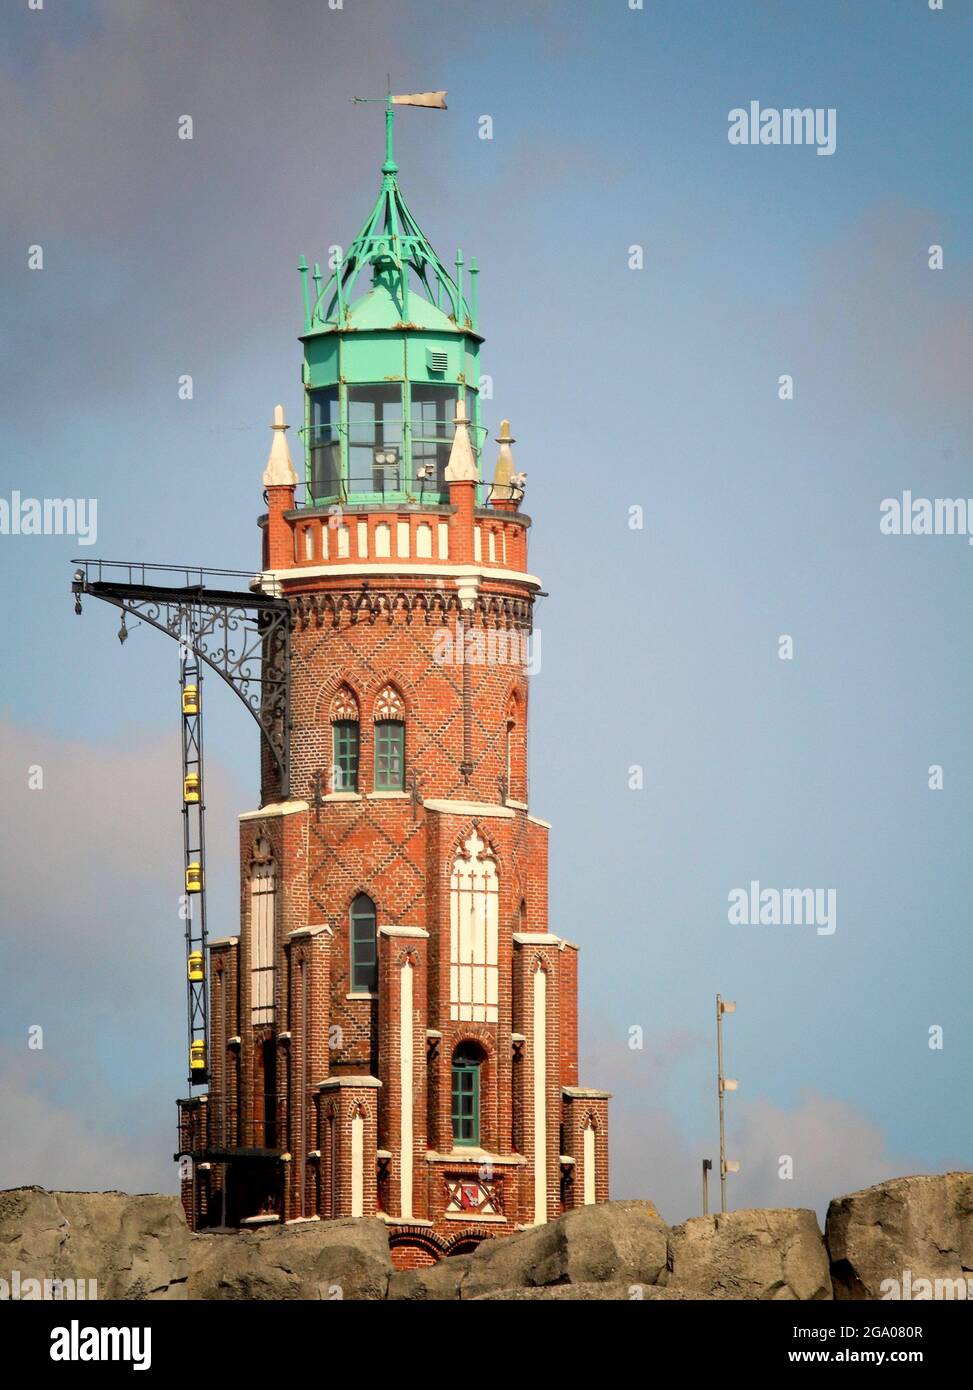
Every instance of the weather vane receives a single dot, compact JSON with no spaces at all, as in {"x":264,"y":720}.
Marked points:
{"x":433,"y":99}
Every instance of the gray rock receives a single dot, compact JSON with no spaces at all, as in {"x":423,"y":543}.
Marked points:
{"x":920,"y":1224}
{"x":135,"y":1247}
{"x":765,"y":1254}
{"x":138,"y":1247}
{"x":345,"y":1259}
{"x":434,"y":1282}
{"x":610,"y":1292}
{"x":620,"y":1242}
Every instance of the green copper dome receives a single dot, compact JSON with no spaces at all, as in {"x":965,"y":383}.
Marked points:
{"x":382,"y":307}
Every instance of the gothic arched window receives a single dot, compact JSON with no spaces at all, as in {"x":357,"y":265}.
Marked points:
{"x":474,"y":893}
{"x":344,"y":742}
{"x":515,"y":749}
{"x":389,"y":741}
{"x":467,"y":1061}
{"x":364,"y":954}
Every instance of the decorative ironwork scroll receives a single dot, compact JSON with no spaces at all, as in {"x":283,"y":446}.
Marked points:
{"x":243,"y":636}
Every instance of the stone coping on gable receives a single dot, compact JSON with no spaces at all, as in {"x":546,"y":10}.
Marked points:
{"x":352,"y":1082}
{"x":276,"y":808}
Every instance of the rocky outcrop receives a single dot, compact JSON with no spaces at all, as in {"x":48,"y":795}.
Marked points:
{"x":305,"y":1260}
{"x":624,"y":1242}
{"x":621,"y":1242}
{"x":134,"y":1247}
{"x":438,"y":1282}
{"x":902,"y":1231}
{"x":762,"y":1254}
{"x":587,"y":1293}
{"x":906,"y":1230}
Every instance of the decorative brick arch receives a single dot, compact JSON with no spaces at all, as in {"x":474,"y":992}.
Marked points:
{"x":410,"y":954}
{"x":344,"y":704}
{"x":415,"y":1247}
{"x":465,"y":1242}
{"x":389,"y":702}
{"x":458,"y":848}
{"x":471,"y":1033}
{"x":379,"y":676}
{"x":326,"y":693}
{"x":361,"y":890}
{"x":261,"y":850}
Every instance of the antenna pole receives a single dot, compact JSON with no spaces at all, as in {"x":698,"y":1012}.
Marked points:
{"x":719,"y":1083}
{"x":390,"y":166}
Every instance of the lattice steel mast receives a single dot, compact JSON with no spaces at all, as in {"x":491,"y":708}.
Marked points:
{"x":194,"y":851}
{"x":245,"y":637}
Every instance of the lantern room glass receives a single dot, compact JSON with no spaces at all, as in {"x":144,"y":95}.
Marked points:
{"x":388,"y":452}
{"x":433,"y":421}
{"x":375,"y":463}
{"x":325,"y":443}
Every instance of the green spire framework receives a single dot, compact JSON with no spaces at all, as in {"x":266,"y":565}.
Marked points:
{"x":387,"y":360}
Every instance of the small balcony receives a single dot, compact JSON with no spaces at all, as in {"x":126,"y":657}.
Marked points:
{"x":213,"y":1127}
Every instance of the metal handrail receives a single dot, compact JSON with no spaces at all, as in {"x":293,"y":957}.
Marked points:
{"x":343,"y":428}
{"x":136,"y":571}
{"x":410,"y":492}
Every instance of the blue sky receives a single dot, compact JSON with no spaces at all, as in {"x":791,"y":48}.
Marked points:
{"x":653,"y":387}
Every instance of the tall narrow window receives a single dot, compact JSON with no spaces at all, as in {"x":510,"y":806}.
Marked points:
{"x":345,"y":755}
{"x":344,"y":742}
{"x":473,"y":934}
{"x":389,"y":755}
{"x":263,"y":899}
{"x":467,"y":1060}
{"x":389,"y":741}
{"x":515,"y":749}
{"x":269,"y":1098}
{"x":364,"y":956}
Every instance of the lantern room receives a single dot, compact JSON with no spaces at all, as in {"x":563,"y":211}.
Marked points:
{"x":390,"y":348}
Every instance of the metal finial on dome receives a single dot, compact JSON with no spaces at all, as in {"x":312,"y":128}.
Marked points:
{"x":280,"y":470}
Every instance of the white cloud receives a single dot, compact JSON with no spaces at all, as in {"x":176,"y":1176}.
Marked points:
{"x":95,"y":855}
{"x":835,"y":1149}
{"x":93,"y":954}
{"x":56,"y":1146}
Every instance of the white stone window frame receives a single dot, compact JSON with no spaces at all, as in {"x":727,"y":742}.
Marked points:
{"x":263,"y":916}
{"x":474,"y":931}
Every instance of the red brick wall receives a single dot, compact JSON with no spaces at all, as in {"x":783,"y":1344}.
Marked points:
{"x":568,"y":999}
{"x":412,"y":1257}
{"x":363,"y":632}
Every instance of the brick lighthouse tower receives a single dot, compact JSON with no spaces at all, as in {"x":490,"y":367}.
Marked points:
{"x":394,"y":1030}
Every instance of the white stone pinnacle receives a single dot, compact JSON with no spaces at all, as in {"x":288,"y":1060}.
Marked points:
{"x":462,"y":465}
{"x":280,"y":470}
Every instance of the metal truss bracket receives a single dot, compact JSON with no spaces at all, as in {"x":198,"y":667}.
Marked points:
{"x":244,"y":636}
